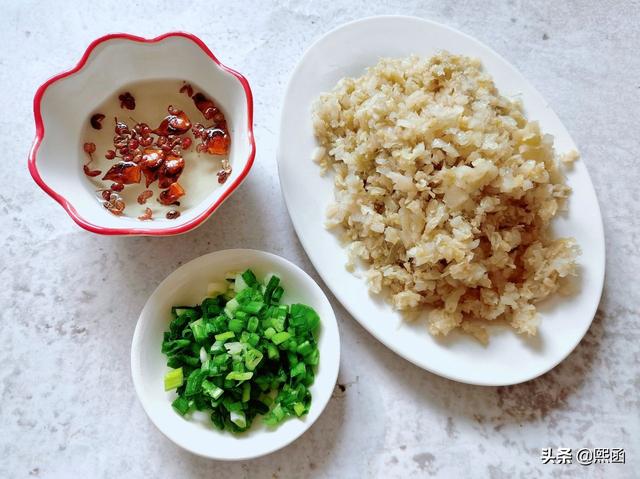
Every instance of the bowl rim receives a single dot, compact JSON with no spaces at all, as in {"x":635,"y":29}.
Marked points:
{"x":135,"y":231}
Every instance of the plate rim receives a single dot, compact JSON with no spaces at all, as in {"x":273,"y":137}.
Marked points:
{"x":338,"y":295}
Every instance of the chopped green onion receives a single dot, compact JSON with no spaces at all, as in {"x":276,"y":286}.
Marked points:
{"x":309,"y":378}
{"x":252,"y":358}
{"x":237,"y":365}
{"x":210,"y":367}
{"x":272,"y":351}
{"x":304,"y":317}
{"x":291,"y":345}
{"x":194,"y":382}
{"x":173,"y":379}
{"x":250,"y":278}
{"x":278,"y":323}
{"x":241,"y":354}
{"x":298,"y":369}
{"x":246,"y":391}
{"x":238,"y":376}
{"x":231,"y":306}
{"x":253,"y":339}
{"x":204,"y":356}
{"x":305,"y":348}
{"x":252,"y":324}
{"x":210,"y":307}
{"x":225,"y":336}
{"x":221,"y":359}
{"x":236,"y":325}
{"x":299,"y":409}
{"x":182,"y":405}
{"x":170,"y":347}
{"x":271,"y":286}
{"x":293,"y":359}
{"x":239,"y":419}
{"x":253,"y":307}
{"x":277,"y":294}
{"x":239,"y":314}
{"x":234,"y":348}
{"x":211,"y":389}
{"x":280,"y":337}
{"x":275,"y":416}
{"x":281,"y":311}
{"x":240,"y":284}
{"x":312,"y":358}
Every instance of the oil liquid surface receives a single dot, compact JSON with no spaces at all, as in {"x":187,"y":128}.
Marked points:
{"x":152,"y":98}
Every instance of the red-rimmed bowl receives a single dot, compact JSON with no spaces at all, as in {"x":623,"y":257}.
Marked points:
{"x":63,"y":103}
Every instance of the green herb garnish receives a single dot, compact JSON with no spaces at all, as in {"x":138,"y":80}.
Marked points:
{"x":241,"y":354}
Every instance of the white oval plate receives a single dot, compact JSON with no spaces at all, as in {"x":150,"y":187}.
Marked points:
{"x":63,"y":103}
{"x":188,"y":285}
{"x":509,"y":358}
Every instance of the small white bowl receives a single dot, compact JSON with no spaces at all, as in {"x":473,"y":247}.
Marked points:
{"x":63,"y":103}
{"x":188,"y":285}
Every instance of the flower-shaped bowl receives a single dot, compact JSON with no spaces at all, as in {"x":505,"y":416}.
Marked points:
{"x":63,"y":104}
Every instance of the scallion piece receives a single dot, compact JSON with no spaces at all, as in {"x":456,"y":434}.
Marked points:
{"x":252,"y":358}
{"x":234,"y":348}
{"x":240,"y":284}
{"x":278,"y":323}
{"x":312,"y":358}
{"x":224,"y":336}
{"x":305,"y":348}
{"x":272,"y":351}
{"x":253,"y":307}
{"x":270,"y":287}
{"x":236,"y":325}
{"x":246,"y":391}
{"x":204,"y":356}
{"x":297,"y":370}
{"x":173,"y":379}
{"x":239,"y":419}
{"x":194,"y":382}
{"x":170,"y":347}
{"x":253,"y":339}
{"x":252,"y":324}
{"x":280,"y":337}
{"x":250,"y":278}
{"x":231,"y":306}
{"x":299,"y":409}
{"x":238,"y":376}
{"x":277,"y":294}
{"x":182,"y":405}
{"x":211,"y":389}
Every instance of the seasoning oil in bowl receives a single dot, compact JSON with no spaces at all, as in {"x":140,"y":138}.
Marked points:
{"x":156,"y":148}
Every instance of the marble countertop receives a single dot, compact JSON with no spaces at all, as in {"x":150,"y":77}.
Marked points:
{"x":70,"y":298}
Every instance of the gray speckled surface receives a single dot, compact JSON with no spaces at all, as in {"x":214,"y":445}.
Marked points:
{"x":70,"y":299}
